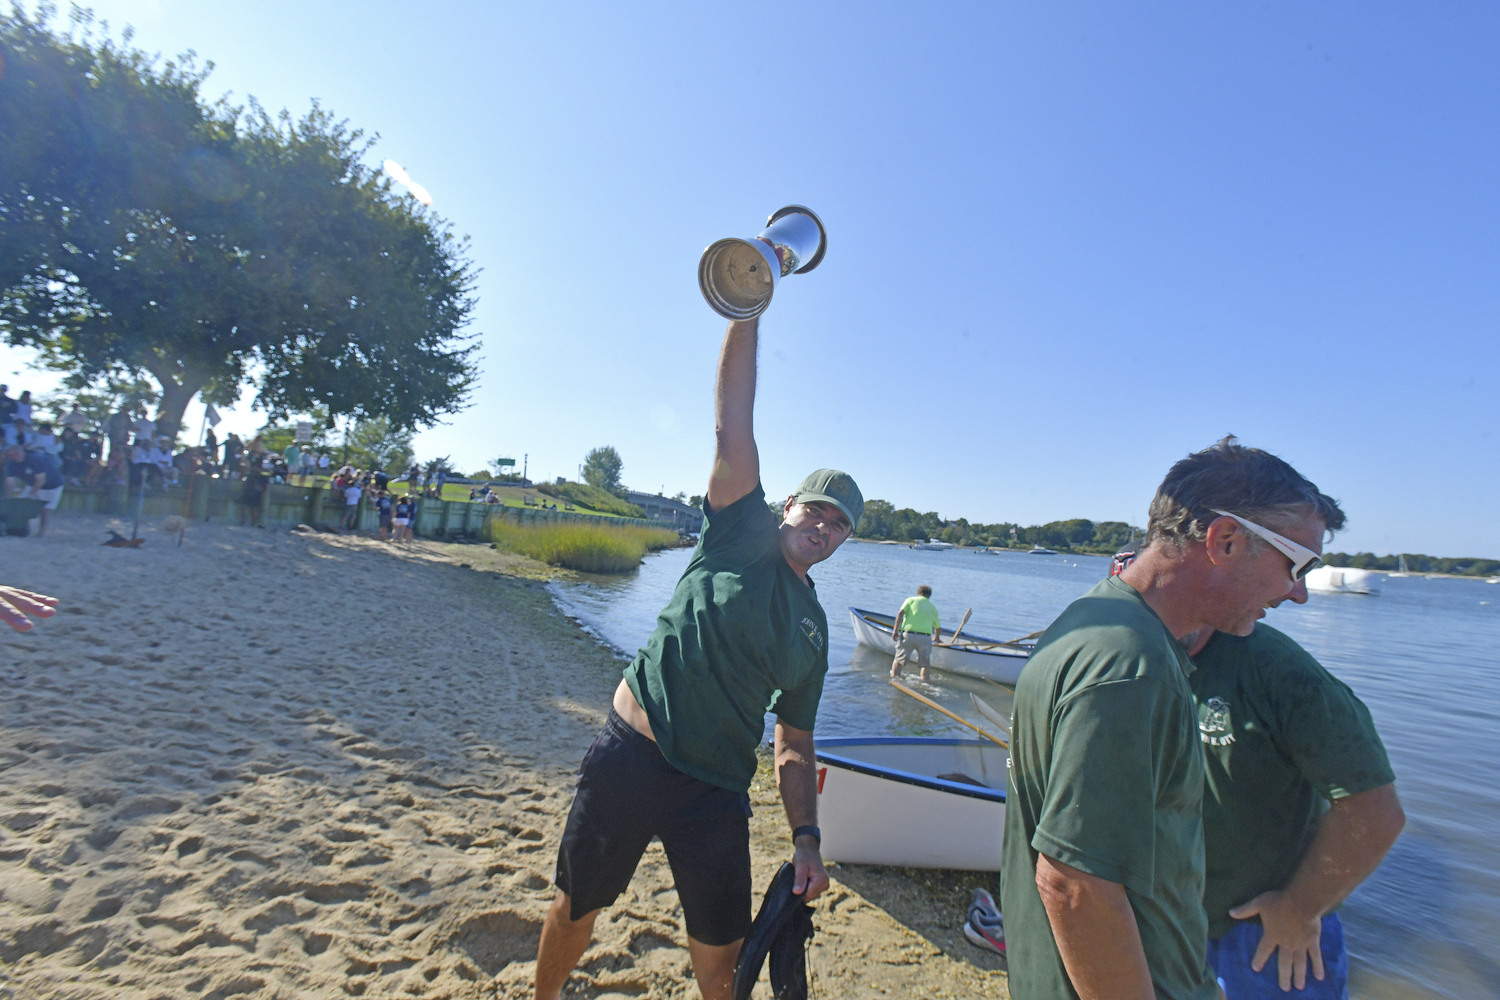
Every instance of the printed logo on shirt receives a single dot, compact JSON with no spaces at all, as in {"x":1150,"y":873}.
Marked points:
{"x":1213,"y":725}
{"x":813,"y":633}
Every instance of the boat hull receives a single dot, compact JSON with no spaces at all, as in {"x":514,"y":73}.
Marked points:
{"x":881,"y":801}
{"x":1342,"y":580}
{"x":1001,"y":664}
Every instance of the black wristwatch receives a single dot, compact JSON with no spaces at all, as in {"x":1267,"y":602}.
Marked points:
{"x":811,"y":831}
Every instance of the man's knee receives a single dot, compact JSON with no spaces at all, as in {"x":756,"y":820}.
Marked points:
{"x":713,"y":966}
{"x":561,"y":914}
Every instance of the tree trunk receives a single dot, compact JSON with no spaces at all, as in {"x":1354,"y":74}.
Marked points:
{"x":174,"y":400}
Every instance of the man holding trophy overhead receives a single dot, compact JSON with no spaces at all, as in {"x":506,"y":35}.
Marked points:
{"x":743,"y":634}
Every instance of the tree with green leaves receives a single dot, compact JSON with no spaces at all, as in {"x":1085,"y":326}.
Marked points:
{"x":378,"y":443}
{"x":146,"y":232}
{"x":602,"y":468}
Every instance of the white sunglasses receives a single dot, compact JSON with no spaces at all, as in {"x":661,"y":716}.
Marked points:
{"x":1304,"y":560}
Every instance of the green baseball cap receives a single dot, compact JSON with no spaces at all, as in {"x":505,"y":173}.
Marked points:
{"x":835,"y":487}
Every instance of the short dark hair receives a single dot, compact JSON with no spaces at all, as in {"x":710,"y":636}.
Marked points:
{"x":923,"y":590}
{"x":1246,"y":481}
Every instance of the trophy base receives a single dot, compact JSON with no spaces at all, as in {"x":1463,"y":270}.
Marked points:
{"x":738,"y":277}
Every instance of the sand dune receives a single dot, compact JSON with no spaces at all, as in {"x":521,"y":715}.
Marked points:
{"x":270,"y":764}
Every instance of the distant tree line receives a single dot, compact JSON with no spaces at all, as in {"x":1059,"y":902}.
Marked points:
{"x":1415,"y":563}
{"x":882,"y":521}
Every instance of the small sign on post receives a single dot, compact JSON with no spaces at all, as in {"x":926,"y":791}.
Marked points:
{"x":304,"y":431}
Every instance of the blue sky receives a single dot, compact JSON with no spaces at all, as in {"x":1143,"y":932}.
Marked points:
{"x":1068,"y":243}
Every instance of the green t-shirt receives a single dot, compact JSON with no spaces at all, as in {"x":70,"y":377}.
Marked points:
{"x":742,"y":636}
{"x":1106,"y":776}
{"x":1282,"y":737}
{"x":918,"y":614}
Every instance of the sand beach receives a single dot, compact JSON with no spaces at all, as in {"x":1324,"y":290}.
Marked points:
{"x":271,"y":764}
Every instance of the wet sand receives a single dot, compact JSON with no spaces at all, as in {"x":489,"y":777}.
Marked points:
{"x":275,"y":764}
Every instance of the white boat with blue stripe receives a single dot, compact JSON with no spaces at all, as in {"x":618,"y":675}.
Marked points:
{"x":919,"y":802}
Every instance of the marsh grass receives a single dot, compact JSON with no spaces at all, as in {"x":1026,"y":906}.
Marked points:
{"x":588,"y":548}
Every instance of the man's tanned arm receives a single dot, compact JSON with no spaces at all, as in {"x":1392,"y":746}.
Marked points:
{"x":1095,"y":931}
{"x":797,"y":778}
{"x":1352,"y":838}
{"x":736,"y":460}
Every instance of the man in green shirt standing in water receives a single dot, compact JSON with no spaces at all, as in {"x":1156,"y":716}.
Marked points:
{"x":915,"y":628}
{"x":1103,"y":859}
{"x":743,"y":634}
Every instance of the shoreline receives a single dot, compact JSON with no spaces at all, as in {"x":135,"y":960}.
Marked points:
{"x":280,"y":764}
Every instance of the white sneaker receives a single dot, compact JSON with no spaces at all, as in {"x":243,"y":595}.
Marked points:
{"x":985,"y":934}
{"x":982,"y":924}
{"x":984,"y":905}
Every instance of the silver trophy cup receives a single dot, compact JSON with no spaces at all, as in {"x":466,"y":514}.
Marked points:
{"x":738,"y":276}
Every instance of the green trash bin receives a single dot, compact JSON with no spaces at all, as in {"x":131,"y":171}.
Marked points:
{"x":15,"y":512}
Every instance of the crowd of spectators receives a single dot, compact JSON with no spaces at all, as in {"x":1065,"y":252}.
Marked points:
{"x":129,"y":448}
{"x":396,"y":511}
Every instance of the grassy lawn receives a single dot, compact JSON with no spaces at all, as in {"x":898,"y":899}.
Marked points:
{"x":512,"y":496}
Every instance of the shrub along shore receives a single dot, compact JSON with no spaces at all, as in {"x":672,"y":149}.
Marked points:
{"x":586,"y":547}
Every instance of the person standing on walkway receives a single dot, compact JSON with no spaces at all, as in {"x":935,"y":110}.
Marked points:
{"x":117,"y":429}
{"x":915,"y":628}
{"x":1103,"y":870}
{"x":293,"y":456}
{"x":7,"y":418}
{"x":743,"y":634}
{"x":352,"y":493}
{"x":233,"y":449}
{"x":74,"y":418}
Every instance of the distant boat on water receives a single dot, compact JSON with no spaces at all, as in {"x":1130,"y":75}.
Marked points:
{"x":1037,"y":550}
{"x":1401,"y":569}
{"x":932,"y":543}
{"x":1341,"y":580}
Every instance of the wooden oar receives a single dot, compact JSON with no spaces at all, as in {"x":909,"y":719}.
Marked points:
{"x":1016,"y":642}
{"x":955,"y":717}
{"x":1008,"y":642}
{"x":956,"y":631}
{"x":988,"y":711}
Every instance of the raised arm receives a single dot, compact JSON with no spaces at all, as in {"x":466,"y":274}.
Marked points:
{"x":1352,"y":838}
{"x":736,"y":461}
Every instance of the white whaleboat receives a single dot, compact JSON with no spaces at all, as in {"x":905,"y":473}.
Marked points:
{"x":969,"y":655}
{"x":1342,"y":580}
{"x":921,"y":802}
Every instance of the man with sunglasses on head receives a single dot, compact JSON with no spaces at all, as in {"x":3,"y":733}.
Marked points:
{"x":743,"y":634}
{"x":1103,"y":859}
{"x":1299,"y":808}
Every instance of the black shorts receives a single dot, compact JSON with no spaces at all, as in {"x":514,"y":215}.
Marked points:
{"x":627,"y":794}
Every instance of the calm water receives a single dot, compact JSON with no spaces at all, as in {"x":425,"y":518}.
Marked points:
{"x":1423,"y":654}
